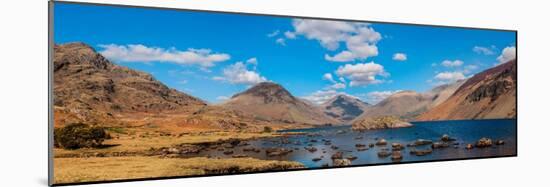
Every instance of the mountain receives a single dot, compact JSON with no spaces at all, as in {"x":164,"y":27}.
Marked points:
{"x":89,"y":88}
{"x":409,"y":104}
{"x":344,"y":108}
{"x":487,"y":95}
{"x":270,"y":101}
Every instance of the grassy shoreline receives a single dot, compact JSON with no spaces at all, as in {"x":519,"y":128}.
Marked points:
{"x":71,"y":170}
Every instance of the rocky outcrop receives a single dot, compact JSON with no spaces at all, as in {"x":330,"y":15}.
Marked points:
{"x":383,"y":122}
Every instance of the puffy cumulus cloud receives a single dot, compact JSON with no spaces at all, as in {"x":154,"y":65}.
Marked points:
{"x":448,"y":77}
{"x":359,"y":38}
{"x":322,"y":96}
{"x":141,"y":53}
{"x":238,"y":73}
{"x":377,"y":96}
{"x":335,"y":84}
{"x":452,"y":63}
{"x":362,"y":74}
{"x":399,"y":57}
{"x":484,"y":50}
{"x":508,"y":53}
{"x":328,"y":77}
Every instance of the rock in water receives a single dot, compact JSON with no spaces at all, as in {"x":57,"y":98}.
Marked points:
{"x":383,"y":122}
{"x":341,"y":162}
{"x":396,"y":156}
{"x":337,"y":155}
{"x":381,"y":142}
{"x":420,"y":152}
{"x":484,"y":142}
{"x":447,"y":138}
{"x":383,"y":154}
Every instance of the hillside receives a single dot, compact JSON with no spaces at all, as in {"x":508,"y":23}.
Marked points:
{"x":487,"y":95}
{"x":409,"y":104}
{"x":270,"y":101}
{"x":344,"y":108}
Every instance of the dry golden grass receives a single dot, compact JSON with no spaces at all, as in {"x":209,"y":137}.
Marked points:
{"x":139,"y":144}
{"x":70,"y":170}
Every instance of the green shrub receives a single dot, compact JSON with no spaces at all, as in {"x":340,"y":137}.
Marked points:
{"x":268,"y":129}
{"x":79,"y":135}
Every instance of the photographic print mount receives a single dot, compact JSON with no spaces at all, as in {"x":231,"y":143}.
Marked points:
{"x":171,"y":93}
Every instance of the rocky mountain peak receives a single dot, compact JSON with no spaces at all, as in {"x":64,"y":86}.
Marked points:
{"x":270,"y":92}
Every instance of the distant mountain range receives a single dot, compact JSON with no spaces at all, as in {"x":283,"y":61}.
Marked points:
{"x":409,"y":104}
{"x":344,"y":108}
{"x":89,"y":88}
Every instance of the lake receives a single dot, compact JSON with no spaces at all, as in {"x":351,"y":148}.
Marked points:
{"x":464,"y":131}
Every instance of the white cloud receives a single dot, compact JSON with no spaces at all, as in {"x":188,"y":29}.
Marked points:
{"x":238,"y":73}
{"x":452,"y":63}
{"x":337,"y":86}
{"x":290,"y":35}
{"x":359,"y":38}
{"x":377,"y":96}
{"x":470,"y":68}
{"x":362,"y":74}
{"x":142,"y":53}
{"x":273,"y":34}
{"x":253,"y":61}
{"x":508,"y":53}
{"x":328,"y":77}
{"x":484,"y":50}
{"x":399,"y":57}
{"x":280,"y":41}
{"x":322,"y":96}
{"x":449,"y":77}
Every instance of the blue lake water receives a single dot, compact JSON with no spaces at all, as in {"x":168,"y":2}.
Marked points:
{"x":464,"y":131}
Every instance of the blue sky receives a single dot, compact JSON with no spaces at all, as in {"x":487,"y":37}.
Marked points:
{"x":214,"y":55}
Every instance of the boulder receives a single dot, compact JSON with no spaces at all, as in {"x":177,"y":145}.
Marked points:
{"x":397,"y":146}
{"x":484,"y":142}
{"x":439,"y":145}
{"x":337,"y":155}
{"x":447,"y":138}
{"x":420,"y":152}
{"x":341,"y":162}
{"x":396,"y":156}
{"x":271,"y":152}
{"x":362,"y":148}
{"x":310,"y":149}
{"x":360,"y":145}
{"x":316,"y":159}
{"x":381,"y":142}
{"x":383,"y":154}
{"x":500,"y":142}
{"x":469,"y":146}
